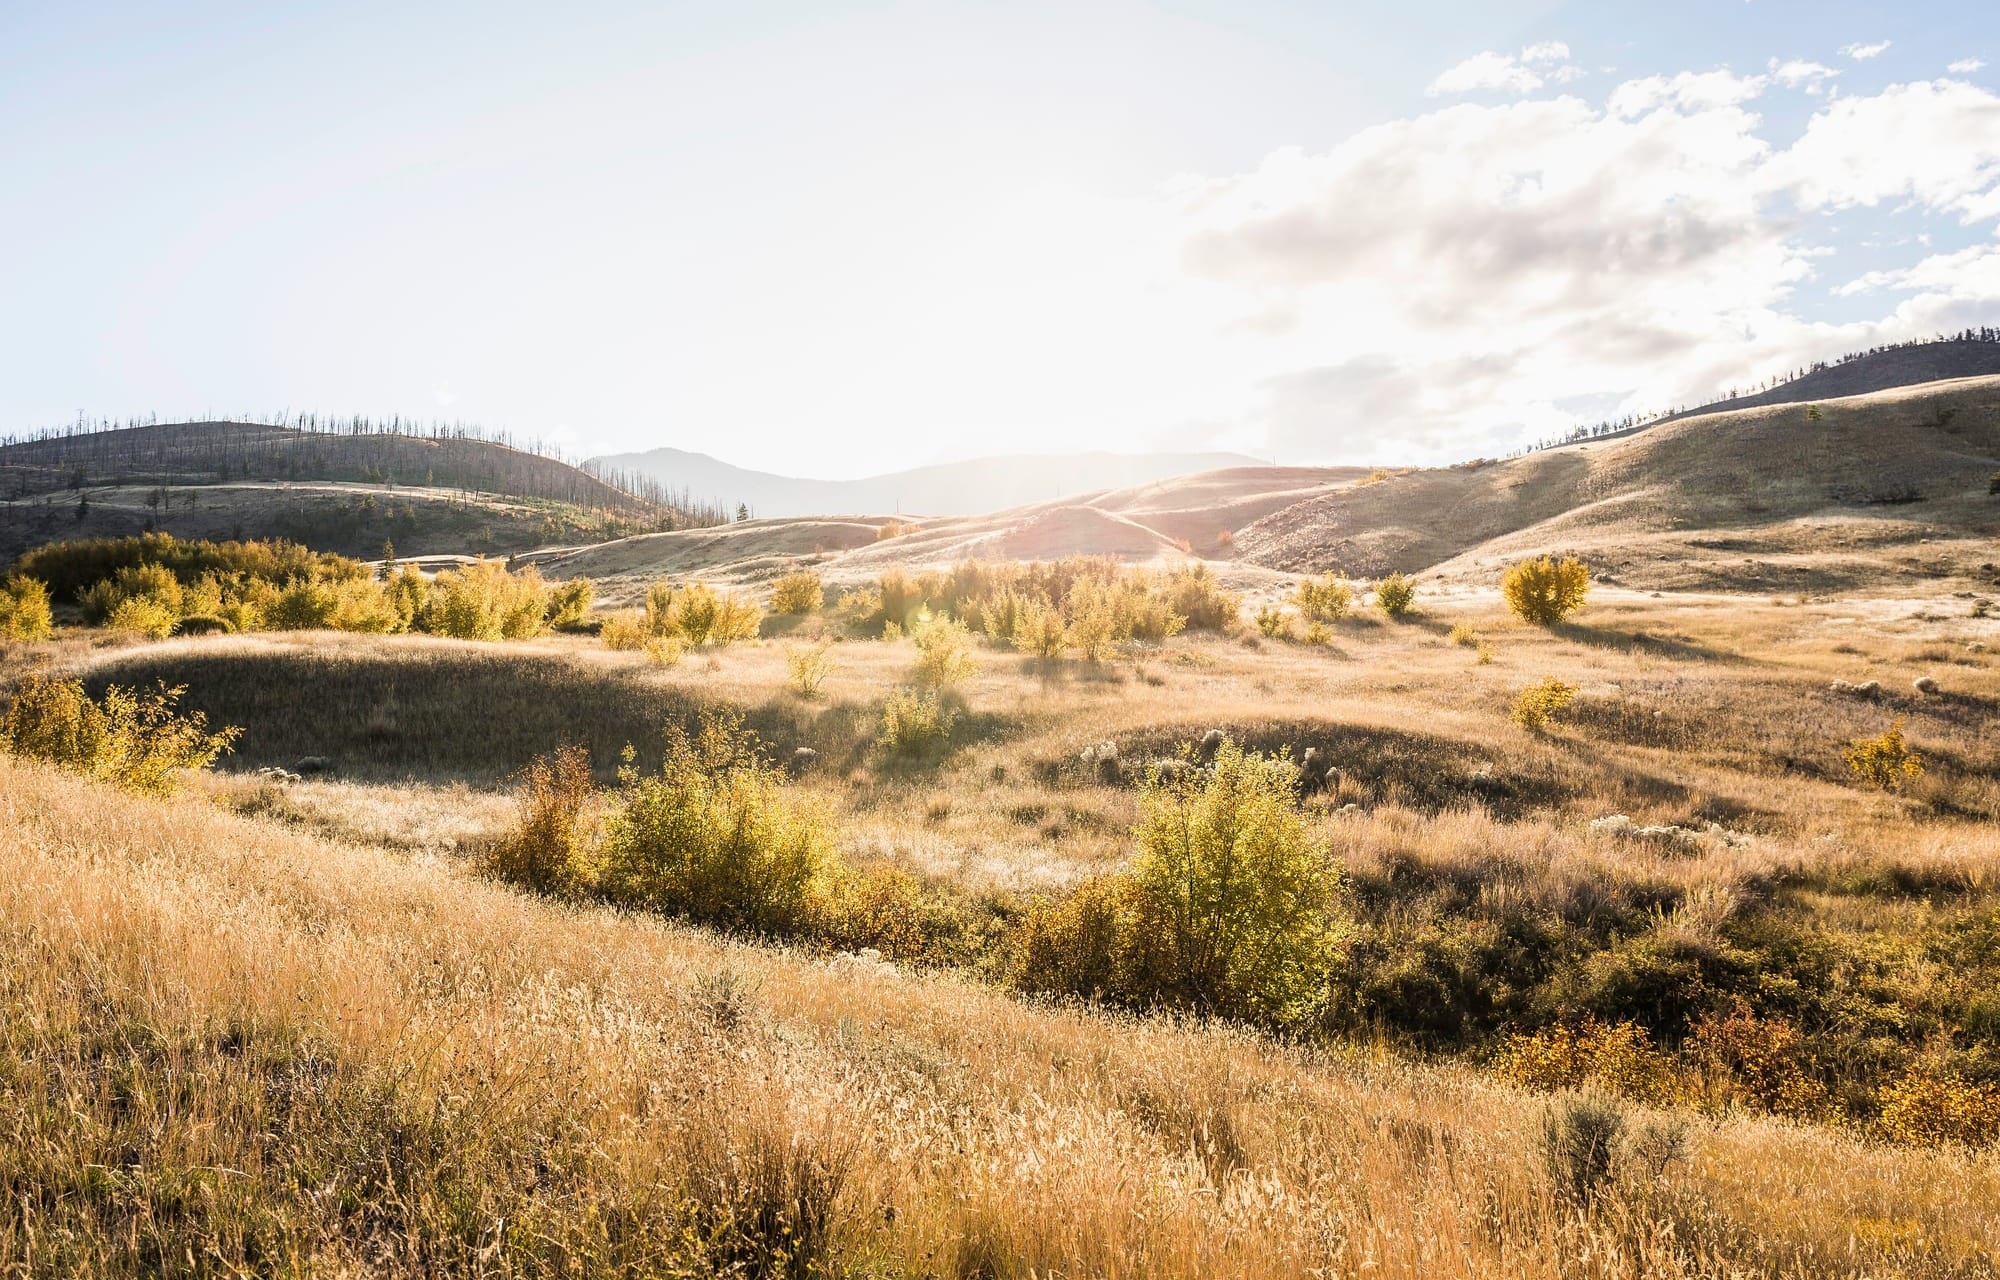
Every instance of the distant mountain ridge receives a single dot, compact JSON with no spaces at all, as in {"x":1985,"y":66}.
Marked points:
{"x":975,"y":487}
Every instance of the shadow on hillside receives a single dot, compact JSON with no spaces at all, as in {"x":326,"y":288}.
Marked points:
{"x":1613,"y":638}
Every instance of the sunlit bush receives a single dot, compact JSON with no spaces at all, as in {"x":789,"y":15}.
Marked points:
{"x":915,"y":722}
{"x":944,"y":654}
{"x":1396,"y":595}
{"x":136,"y":740}
{"x":1545,"y":590}
{"x":144,"y":616}
{"x":483,"y":601}
{"x":569,"y":603}
{"x":1039,"y":630}
{"x":1927,"y":1107}
{"x":798,"y":592}
{"x":1619,"y":1057}
{"x":699,"y":615}
{"x":1323,"y":599}
{"x":1886,"y":760}
{"x":807,"y":668}
{"x":1536,"y":707}
{"x":716,"y":838}
{"x":548,"y":851}
{"x":1234,"y":900}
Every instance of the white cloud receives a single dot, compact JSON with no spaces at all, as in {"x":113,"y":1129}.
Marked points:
{"x":1522,"y":73}
{"x":1486,"y":72}
{"x":1935,"y":142}
{"x":1798,"y":73}
{"x":1965,"y":66}
{"x":1479,"y":266}
{"x":1863,"y":52}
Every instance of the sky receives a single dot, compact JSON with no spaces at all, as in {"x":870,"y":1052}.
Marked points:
{"x":836,"y":239}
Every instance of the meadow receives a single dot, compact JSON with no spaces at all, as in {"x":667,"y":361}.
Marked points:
{"x":1663,"y":987}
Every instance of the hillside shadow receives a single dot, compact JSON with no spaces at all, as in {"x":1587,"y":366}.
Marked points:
{"x":1613,"y":638}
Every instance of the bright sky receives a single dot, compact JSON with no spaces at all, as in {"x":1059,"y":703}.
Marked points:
{"x":839,"y":238}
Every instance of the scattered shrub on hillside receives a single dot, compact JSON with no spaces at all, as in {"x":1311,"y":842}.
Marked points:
{"x":1536,"y":707}
{"x":482,"y":601}
{"x":136,"y":740}
{"x":1484,"y":651}
{"x":1234,"y":902}
{"x":944,"y":654}
{"x":1274,"y":623}
{"x":1078,"y":944}
{"x":859,"y":609}
{"x":1886,"y":760}
{"x":548,"y":851}
{"x":915,"y":722}
{"x":320,"y":604}
{"x":1396,"y":595}
{"x":893,"y":529}
{"x":1756,"y":1062}
{"x":569,"y":603}
{"x":1193,"y":592}
{"x":1464,"y":636}
{"x":1618,"y":1056}
{"x":623,"y":632}
{"x":1323,"y":599}
{"x":716,"y":838}
{"x":1544,"y":591}
{"x":699,"y":614}
{"x":151,"y":583}
{"x":1580,"y":1141}
{"x":1929,"y":1107}
{"x":903,"y":917}
{"x":807,"y":668}
{"x":25,"y":611}
{"x":798,"y":592}
{"x":142,"y":616}
{"x":1039,"y":630}
{"x":71,"y":568}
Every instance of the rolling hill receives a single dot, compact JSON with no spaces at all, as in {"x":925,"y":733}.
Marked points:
{"x":1887,"y":484}
{"x":976,"y":487}
{"x":346,"y":491}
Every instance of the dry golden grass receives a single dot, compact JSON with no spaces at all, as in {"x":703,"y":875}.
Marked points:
{"x":234,"y":1047}
{"x":323,"y":1044}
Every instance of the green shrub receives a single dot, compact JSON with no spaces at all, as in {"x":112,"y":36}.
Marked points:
{"x":1544,"y":591}
{"x":1580,"y":1141}
{"x":1078,"y":944}
{"x":1929,"y":1107}
{"x":569,"y":603}
{"x":915,"y":722}
{"x":807,"y":668}
{"x":1039,"y":630}
{"x":1323,"y":599}
{"x":1537,"y":706}
{"x":1274,"y":623}
{"x":798,"y":592}
{"x":71,"y":568}
{"x":135,"y":740}
{"x":944,"y":654}
{"x":1193,"y":593}
{"x":1234,"y":902}
{"x":1396,"y":595}
{"x":483,"y":601}
{"x":152,"y":583}
{"x":1885,"y":761}
{"x":24,"y":610}
{"x":699,"y":615}
{"x":904,"y":918}
{"x":716,"y":838}
{"x":142,"y":615}
{"x":547,"y":851}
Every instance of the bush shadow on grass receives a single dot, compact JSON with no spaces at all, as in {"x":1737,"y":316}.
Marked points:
{"x":1611,"y":638}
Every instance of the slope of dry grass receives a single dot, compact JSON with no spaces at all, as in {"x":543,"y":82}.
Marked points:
{"x":230,"y":1047}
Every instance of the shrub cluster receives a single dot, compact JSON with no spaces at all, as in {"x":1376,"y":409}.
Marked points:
{"x":1536,"y":707}
{"x":137,"y":740}
{"x":1544,"y":591}
{"x":798,"y":592}
{"x":1324,"y":599}
{"x":24,"y":610}
{"x":155,"y":585}
{"x":1048,"y":608}
{"x":1230,"y":908}
{"x":1396,"y":595}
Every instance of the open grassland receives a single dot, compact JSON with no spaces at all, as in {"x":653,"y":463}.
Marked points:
{"x":309,"y":1035}
{"x":231,"y":1048}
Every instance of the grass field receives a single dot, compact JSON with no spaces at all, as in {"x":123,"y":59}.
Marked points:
{"x":292,"y":1028}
